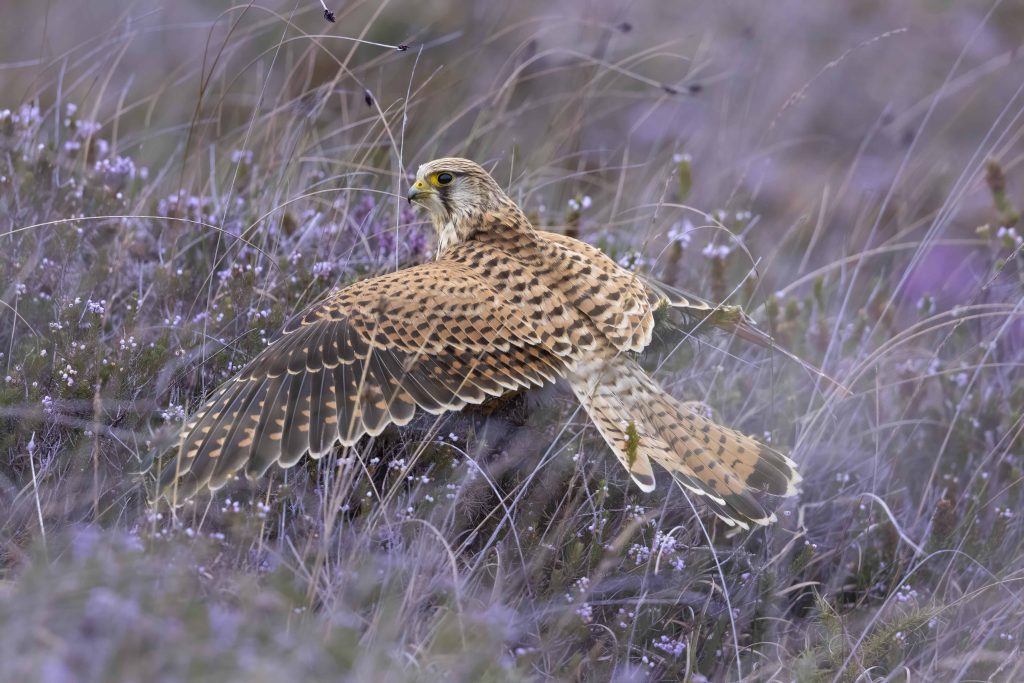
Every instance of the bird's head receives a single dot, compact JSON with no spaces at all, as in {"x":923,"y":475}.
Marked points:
{"x":457,"y":193}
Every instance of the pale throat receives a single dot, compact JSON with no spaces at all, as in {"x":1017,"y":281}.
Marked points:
{"x":452,"y":229}
{"x":446,"y":236}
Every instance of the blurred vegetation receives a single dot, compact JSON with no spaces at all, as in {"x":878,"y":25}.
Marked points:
{"x":175,"y":182}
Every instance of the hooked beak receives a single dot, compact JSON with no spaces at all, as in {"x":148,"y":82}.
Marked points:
{"x":418,"y":191}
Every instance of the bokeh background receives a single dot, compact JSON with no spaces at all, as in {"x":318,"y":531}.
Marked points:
{"x":176,"y":178}
{"x":822,"y":113}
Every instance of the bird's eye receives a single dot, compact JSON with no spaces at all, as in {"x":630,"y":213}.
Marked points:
{"x":445,"y":178}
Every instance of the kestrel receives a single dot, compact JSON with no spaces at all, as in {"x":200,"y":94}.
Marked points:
{"x":504,"y":306}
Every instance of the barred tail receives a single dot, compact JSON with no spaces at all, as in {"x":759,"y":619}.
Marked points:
{"x":642,"y":423}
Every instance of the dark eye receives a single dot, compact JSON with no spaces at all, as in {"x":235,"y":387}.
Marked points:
{"x":444,"y":178}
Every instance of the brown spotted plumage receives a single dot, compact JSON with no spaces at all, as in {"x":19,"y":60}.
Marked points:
{"x":503,"y":306}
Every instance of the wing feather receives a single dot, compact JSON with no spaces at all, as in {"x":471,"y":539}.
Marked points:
{"x":295,"y":431}
{"x":434,"y":337}
{"x":266,"y":439}
{"x":319,"y":408}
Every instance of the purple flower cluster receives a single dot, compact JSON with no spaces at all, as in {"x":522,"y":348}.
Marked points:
{"x":184,"y":205}
{"x":116,"y":172}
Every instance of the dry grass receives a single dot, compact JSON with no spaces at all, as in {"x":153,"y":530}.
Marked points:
{"x":848,"y":173}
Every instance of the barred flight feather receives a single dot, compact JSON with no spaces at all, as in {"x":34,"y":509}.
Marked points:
{"x":504,"y":307}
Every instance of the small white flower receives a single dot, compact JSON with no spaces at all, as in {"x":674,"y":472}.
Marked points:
{"x":633,"y":259}
{"x":672,"y":647}
{"x":323,"y":269}
{"x":174,"y":413}
{"x":243,"y":156}
{"x":717,"y":251}
{"x":585,"y":612}
{"x":680,"y":232}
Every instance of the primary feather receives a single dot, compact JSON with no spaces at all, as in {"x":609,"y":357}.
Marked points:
{"x":503,"y":307}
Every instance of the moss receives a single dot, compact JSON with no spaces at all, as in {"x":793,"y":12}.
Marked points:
{"x":632,"y":443}
{"x":684,"y":173}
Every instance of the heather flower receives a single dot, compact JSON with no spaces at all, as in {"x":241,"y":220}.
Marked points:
{"x":717,"y":251}
{"x":585,"y":612}
{"x":670,"y":646}
{"x":633,"y":259}
{"x":173,"y":413}
{"x":1009,"y":237}
{"x":384,"y":236}
{"x":184,"y":205}
{"x":679,"y":233}
{"x":635,"y":511}
{"x":363,"y":208}
{"x":27,"y":117}
{"x":115,"y":173}
{"x":87,"y":128}
{"x":664,"y":546}
{"x":68,"y":374}
{"x":241,"y":156}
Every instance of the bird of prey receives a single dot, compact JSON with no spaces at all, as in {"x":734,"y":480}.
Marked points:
{"x":504,"y":306}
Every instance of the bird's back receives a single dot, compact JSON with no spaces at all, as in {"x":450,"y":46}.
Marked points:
{"x":504,"y":307}
{"x":600,"y":298}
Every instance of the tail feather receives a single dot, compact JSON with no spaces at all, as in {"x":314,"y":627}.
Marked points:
{"x":633,"y":445}
{"x":724,"y":466}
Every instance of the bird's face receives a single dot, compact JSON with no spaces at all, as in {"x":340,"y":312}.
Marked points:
{"x":453,"y":189}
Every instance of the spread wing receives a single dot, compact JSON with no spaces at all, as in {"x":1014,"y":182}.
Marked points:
{"x":436,"y":336}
